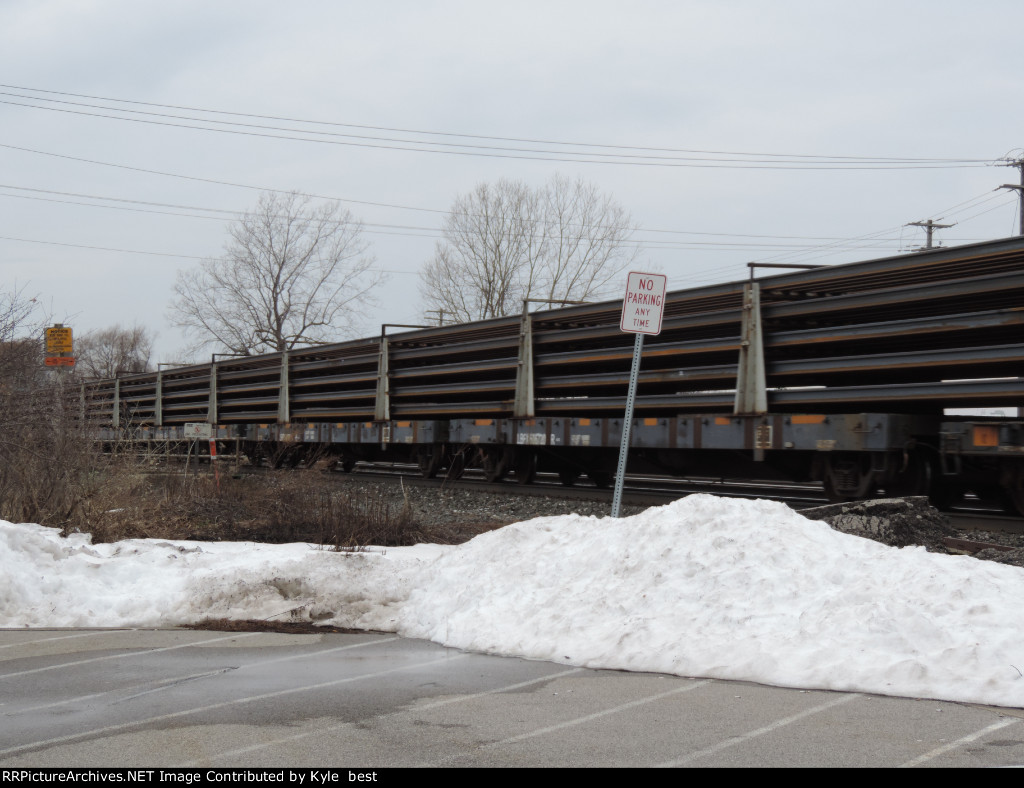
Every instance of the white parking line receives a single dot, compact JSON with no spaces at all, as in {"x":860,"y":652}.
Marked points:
{"x":596,"y":715}
{"x":63,"y":637}
{"x":167,"y":683}
{"x":146,"y":687}
{"x":958,"y":743}
{"x":127,"y":655}
{"x":223,"y":704}
{"x":425,"y":707}
{"x":131,"y":654}
{"x":732,"y":742}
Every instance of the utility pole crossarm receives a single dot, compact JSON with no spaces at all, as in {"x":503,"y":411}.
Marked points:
{"x":1019,"y":164}
{"x":930,"y":226}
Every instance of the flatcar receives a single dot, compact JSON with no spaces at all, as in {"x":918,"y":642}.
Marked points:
{"x":841,"y":374}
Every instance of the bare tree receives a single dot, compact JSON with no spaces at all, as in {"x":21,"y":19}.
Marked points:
{"x":19,"y":320}
{"x":507,"y":242}
{"x":292,"y":274}
{"x":105,"y":353}
{"x":44,"y":453}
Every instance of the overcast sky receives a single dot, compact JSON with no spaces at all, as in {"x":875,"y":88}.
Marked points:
{"x":926,"y":92}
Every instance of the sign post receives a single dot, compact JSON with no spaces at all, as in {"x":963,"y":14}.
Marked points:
{"x":642,"y":309}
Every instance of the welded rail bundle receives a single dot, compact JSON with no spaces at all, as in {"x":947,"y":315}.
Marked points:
{"x":839,"y":374}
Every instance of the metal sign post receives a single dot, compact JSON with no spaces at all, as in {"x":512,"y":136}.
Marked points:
{"x":196,"y":431}
{"x":642,"y":308}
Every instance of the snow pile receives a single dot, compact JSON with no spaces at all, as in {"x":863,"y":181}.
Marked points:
{"x":703,"y":587}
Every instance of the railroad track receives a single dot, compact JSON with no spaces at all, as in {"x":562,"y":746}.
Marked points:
{"x":641,"y":490}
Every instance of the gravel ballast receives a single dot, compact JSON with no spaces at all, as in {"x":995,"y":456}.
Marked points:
{"x":454,"y":515}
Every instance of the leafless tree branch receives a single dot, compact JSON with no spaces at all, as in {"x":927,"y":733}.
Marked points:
{"x":106,"y":352}
{"x":507,"y":242}
{"x":292,"y":274}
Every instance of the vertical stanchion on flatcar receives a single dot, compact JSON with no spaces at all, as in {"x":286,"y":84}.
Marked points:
{"x":642,"y":308}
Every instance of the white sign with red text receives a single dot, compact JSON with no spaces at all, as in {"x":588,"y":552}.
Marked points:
{"x":198,"y":430}
{"x":644,"y":303}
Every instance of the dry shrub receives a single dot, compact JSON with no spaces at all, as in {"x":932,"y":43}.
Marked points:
{"x":303,"y":508}
{"x":47,"y":462}
{"x":281,"y":507}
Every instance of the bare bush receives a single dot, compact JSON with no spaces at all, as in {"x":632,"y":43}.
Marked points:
{"x":275,"y":509}
{"x":45,"y":456}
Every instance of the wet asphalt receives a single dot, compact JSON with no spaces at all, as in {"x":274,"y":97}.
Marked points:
{"x":182,"y":698}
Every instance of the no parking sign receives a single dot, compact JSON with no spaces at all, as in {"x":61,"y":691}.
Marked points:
{"x":642,"y":308}
{"x":644,"y":303}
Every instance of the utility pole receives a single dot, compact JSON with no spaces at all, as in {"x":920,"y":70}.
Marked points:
{"x":1019,"y":188}
{"x":929,"y":226}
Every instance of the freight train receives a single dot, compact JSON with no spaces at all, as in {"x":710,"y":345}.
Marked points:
{"x":841,"y":374}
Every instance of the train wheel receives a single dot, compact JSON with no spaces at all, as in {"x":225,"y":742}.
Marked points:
{"x":945,"y":495}
{"x":495,"y":462}
{"x":1016,"y":498}
{"x":456,"y":467}
{"x":602,"y":479}
{"x":568,"y":476}
{"x":847,"y":478}
{"x":346,"y":464}
{"x":832,"y":492}
{"x":284,"y":456}
{"x":429,"y":461}
{"x":1011,"y":480}
{"x":525,"y":467}
{"x":914,"y":479}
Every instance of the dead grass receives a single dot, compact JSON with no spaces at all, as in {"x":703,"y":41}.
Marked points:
{"x":130,"y":502}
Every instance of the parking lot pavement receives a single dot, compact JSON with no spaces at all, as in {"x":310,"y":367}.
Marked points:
{"x":177,"y":698}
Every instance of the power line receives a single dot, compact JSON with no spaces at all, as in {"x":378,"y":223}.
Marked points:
{"x":930,"y":226}
{"x":216,"y":182}
{"x":828,"y":250}
{"x":142,"y":251}
{"x":356,"y":201}
{"x":415,"y":146}
{"x":836,"y":245}
{"x":494,"y":138}
{"x":428,"y":232}
{"x":235,"y":214}
{"x":1019,"y":164}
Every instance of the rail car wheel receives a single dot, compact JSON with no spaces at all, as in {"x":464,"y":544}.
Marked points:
{"x":284,"y":456}
{"x":429,"y":461}
{"x":347,"y":464}
{"x":456,"y":466}
{"x":914,"y":478}
{"x":1015,"y":497}
{"x":495,"y":462}
{"x":833,"y":493}
{"x":848,"y":478}
{"x":568,"y":476}
{"x":945,"y":495}
{"x":1011,"y":480}
{"x":525,"y":467}
{"x":602,"y":479}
